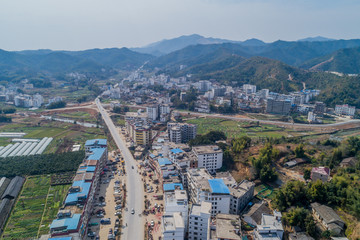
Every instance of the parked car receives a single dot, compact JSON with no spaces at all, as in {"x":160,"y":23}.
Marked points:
{"x":105,"y":221}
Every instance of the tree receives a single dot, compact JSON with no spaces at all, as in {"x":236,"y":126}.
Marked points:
{"x":307,"y":174}
{"x":294,"y":193}
{"x":263,"y":163}
{"x":239,"y":144}
{"x":299,"y":151}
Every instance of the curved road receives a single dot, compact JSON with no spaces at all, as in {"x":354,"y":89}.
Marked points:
{"x":134,"y":185}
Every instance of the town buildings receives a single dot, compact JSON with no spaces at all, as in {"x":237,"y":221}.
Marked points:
{"x":209,"y":157}
{"x":345,"y":110}
{"x":181,"y":132}
{"x":227,"y":226}
{"x":199,"y":221}
{"x":73,"y":219}
{"x":270,"y":227}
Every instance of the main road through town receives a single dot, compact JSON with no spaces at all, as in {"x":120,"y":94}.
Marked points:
{"x":134,"y":185}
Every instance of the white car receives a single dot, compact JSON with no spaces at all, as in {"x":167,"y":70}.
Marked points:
{"x":132,"y":211}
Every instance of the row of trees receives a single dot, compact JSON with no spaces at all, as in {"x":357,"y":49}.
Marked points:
{"x":58,"y":104}
{"x":40,"y":164}
{"x":118,"y":109}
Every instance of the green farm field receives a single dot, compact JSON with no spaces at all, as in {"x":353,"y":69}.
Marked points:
{"x":234,"y":129}
{"x":37,"y":204}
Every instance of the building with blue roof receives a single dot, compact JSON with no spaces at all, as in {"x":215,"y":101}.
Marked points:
{"x":78,"y":193}
{"x":96,"y":153}
{"x":78,"y":203}
{"x":95,"y":143}
{"x":217,"y":186}
{"x":176,"y":150}
{"x":164,"y":161}
{"x":171,"y":187}
{"x":65,"y":225}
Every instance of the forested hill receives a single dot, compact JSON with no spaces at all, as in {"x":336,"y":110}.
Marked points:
{"x":92,"y":60}
{"x":292,"y":53}
{"x":344,"y":61}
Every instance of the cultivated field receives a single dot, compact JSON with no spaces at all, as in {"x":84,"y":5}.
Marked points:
{"x":36,"y":207}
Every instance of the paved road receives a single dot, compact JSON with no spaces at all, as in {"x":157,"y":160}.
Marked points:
{"x":269,"y":121}
{"x":134,"y":185}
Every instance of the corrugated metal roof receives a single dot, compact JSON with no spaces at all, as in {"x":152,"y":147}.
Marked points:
{"x":96,"y":153}
{"x":164,"y":161}
{"x":72,"y":198}
{"x":68,"y":223}
{"x":98,"y":141}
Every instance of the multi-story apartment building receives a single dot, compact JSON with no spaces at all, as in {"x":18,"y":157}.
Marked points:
{"x":177,"y":202}
{"x":73,"y":219}
{"x":139,"y":132}
{"x":278,"y":106}
{"x":199,"y":221}
{"x":181,"y":132}
{"x":173,"y":227}
{"x":226,"y":196}
{"x":345,"y":110}
{"x":209,"y":157}
{"x":241,"y":195}
{"x":249,"y":89}
{"x":153,"y":112}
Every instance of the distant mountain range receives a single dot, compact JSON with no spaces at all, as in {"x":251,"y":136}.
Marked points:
{"x":93,"y":60}
{"x":281,"y":66}
{"x":316,"y":39}
{"x":170,"y":45}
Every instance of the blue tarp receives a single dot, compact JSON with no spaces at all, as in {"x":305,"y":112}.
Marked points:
{"x":218,"y":186}
{"x":96,"y":142}
{"x":164,"y":161}
{"x":176,"y":150}
{"x":171,"y":186}
{"x":72,"y":198}
{"x":70,"y":223}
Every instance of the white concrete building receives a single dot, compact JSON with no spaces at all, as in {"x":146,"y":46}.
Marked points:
{"x":173,"y":226}
{"x":345,"y":110}
{"x":38,"y":100}
{"x":249,"y":89}
{"x":153,"y":112}
{"x":209,"y":157}
{"x":270,"y":227}
{"x":177,"y":202}
{"x":181,"y":132}
{"x":199,"y":221}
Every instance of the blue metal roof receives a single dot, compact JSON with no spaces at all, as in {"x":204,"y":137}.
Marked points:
{"x":172,"y":186}
{"x":98,"y":141}
{"x":90,"y":168}
{"x":96,"y":153}
{"x":72,"y":198}
{"x":176,"y":150}
{"x":218,"y":186}
{"x":164,"y":161}
{"x":70,"y":223}
{"x":152,"y":155}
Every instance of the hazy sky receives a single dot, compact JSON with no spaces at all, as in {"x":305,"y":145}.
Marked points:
{"x":84,"y":24}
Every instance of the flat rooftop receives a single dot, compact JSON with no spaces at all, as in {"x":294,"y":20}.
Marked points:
{"x":206,"y":149}
{"x":197,"y":209}
{"x":172,"y":222}
{"x":227,"y":226}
